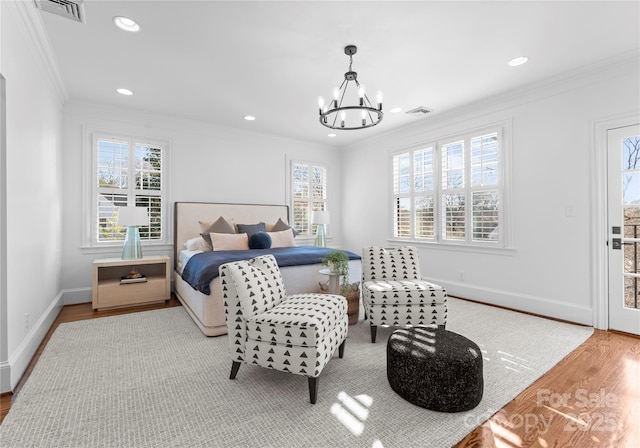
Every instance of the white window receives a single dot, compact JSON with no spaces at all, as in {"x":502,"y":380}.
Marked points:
{"x":451,"y":190}
{"x":128,"y":171}
{"x":308,"y":193}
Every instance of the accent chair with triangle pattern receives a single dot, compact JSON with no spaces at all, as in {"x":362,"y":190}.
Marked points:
{"x":393,"y":292}
{"x":298,"y":333}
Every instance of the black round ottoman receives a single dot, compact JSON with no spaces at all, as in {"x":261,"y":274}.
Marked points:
{"x":435,"y":369}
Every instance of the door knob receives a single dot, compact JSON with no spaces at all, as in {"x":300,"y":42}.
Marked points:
{"x":616,"y":243}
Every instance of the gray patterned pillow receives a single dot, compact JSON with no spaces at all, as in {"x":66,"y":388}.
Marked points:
{"x":219,"y":226}
{"x":281,"y":225}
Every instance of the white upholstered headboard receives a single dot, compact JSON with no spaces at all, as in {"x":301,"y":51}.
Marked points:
{"x":187,"y":215}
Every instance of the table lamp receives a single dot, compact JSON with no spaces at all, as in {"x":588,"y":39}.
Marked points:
{"x":320,"y":218}
{"x":132,"y":217}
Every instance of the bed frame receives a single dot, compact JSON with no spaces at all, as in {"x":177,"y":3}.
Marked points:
{"x":207,"y":311}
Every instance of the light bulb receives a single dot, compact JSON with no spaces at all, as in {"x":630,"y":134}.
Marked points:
{"x":361,"y":90}
{"x":336,"y":96}
{"x":379,"y":97}
{"x":343,"y":115}
{"x":364,"y":117}
{"x":320,"y":102}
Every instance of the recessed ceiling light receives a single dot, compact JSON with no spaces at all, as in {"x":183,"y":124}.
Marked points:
{"x":124,"y":92}
{"x":127,"y":24}
{"x":517,"y":61}
{"x":331,"y":135}
{"x":249,"y":117}
{"x":395,"y":110}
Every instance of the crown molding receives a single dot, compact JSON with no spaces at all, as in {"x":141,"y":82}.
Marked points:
{"x":90,"y":112}
{"x":31,"y":25}
{"x":613,"y":67}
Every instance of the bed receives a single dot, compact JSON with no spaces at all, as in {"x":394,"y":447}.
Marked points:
{"x":204,"y":301}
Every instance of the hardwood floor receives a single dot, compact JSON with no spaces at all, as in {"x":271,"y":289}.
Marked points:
{"x":589,"y":399}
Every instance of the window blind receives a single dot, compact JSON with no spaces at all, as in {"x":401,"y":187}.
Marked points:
{"x":128,"y":172}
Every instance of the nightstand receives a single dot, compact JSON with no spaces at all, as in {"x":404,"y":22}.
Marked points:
{"x":110,"y":291}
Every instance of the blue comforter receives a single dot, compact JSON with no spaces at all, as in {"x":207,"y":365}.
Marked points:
{"x":202,"y":268}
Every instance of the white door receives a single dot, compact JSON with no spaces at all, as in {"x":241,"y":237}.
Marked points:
{"x":624,"y":228}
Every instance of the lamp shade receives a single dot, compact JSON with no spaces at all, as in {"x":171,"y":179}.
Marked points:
{"x":133,"y":216}
{"x":320,"y":217}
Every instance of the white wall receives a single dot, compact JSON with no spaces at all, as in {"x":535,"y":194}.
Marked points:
{"x":208,"y":164}
{"x":548,"y":271}
{"x":33,"y":188}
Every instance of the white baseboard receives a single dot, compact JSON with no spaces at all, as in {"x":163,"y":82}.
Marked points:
{"x":542,"y":306}
{"x":76,"y":295}
{"x":12,"y":371}
{"x":5,"y":377}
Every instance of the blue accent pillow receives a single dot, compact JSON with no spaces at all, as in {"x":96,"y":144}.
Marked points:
{"x":260,"y":240}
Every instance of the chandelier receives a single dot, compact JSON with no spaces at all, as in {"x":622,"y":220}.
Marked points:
{"x":361,"y":114}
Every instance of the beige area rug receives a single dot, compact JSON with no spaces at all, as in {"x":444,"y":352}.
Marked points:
{"x":151,"y":379}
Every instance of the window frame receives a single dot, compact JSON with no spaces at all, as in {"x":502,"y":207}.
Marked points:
{"x":291,"y":196}
{"x":503,"y":242}
{"x":91,"y":190}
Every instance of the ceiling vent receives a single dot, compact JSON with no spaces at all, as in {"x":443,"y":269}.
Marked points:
{"x":73,"y":10}
{"x":419,"y":111}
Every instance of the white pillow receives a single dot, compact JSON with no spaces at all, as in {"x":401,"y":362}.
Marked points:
{"x":284,"y":238}
{"x":197,"y":243}
{"x":229,"y":241}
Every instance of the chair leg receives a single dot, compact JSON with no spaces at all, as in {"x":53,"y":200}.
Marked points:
{"x":234,"y":369}
{"x":374,"y":329}
{"x":341,"y":349}
{"x":313,"y":389}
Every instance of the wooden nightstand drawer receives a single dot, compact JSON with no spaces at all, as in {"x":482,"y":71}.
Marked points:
{"x":116,"y":294}
{"x":110,"y":292}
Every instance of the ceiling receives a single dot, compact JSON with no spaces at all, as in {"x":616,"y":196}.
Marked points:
{"x":217,"y":61}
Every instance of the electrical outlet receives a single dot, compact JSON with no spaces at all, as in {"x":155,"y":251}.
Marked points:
{"x":26,"y":321}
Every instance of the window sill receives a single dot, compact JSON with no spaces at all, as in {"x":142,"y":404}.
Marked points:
{"x":481,"y":249}
{"x":117,"y":248}
{"x":310,"y":240}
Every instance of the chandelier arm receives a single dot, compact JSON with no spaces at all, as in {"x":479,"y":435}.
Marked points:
{"x":369,"y":103}
{"x":370,"y":116}
{"x":335,"y":118}
{"x":343,"y":91}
